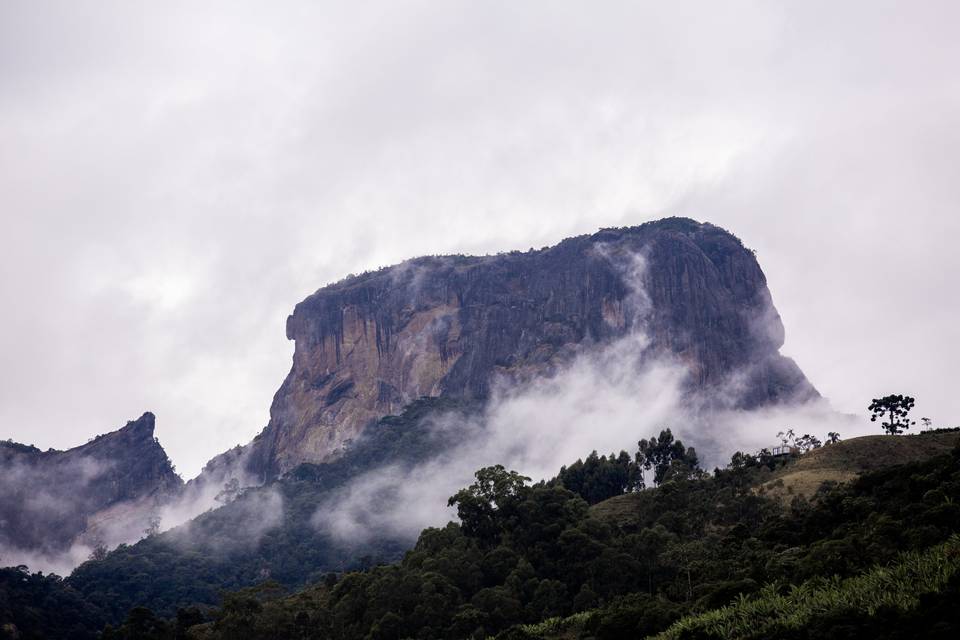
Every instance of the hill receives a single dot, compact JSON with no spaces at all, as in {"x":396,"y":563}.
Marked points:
{"x":845,"y":460}
{"x":805,"y":475}
{"x":914,"y":596}
{"x":534,"y":562}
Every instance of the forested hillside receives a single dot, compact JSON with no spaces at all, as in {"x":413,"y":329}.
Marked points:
{"x":536,"y":561}
{"x":263,"y":533}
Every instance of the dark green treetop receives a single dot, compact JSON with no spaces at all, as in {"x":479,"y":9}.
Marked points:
{"x":667,"y":457}
{"x":894,"y":409}
{"x":478,"y":505}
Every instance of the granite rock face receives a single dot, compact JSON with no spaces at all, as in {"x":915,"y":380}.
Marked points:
{"x":50,"y":499}
{"x":452,"y":326}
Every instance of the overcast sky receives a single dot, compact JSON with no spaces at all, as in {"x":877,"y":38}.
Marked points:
{"x":174,"y":179}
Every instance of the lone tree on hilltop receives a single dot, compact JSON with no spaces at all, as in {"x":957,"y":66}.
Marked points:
{"x":894,"y":409}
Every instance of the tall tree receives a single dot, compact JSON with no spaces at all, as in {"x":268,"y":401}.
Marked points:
{"x":894,"y":411}
{"x":480,"y":505}
{"x":662,"y":452}
{"x":600,"y":477}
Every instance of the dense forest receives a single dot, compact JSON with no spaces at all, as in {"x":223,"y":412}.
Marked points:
{"x":698,"y":555}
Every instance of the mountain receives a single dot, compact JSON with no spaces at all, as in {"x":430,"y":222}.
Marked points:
{"x":452,"y":326}
{"x":394,"y":375}
{"x":99,"y":493}
{"x":271,"y":531}
{"x":379,"y":356}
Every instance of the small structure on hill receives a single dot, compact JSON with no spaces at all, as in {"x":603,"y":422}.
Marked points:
{"x":784,"y":450}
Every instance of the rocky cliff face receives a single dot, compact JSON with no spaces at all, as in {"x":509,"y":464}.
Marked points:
{"x":453,"y":325}
{"x":50,"y":499}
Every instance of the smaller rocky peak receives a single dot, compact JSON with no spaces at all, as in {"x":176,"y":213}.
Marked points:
{"x":144,"y":424}
{"x":131,"y":445}
{"x":49,"y":499}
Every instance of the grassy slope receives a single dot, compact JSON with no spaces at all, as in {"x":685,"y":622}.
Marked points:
{"x":841,"y":462}
{"x":838,"y":463}
{"x":846,"y":460}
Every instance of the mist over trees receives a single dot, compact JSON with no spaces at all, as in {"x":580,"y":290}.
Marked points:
{"x":598,"y":549}
{"x":535,"y":561}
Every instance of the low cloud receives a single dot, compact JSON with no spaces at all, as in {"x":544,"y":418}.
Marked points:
{"x":56,"y":509}
{"x":604,"y":399}
{"x":250,"y":515}
{"x":206,"y":491}
{"x":45,"y":503}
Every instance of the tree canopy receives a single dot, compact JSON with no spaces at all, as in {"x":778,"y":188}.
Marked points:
{"x":893,"y":410}
{"x":668,"y":458}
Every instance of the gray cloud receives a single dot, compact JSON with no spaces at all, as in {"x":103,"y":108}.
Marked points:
{"x":174,"y":179}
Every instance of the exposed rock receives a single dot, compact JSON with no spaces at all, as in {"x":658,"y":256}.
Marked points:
{"x":450,"y":326}
{"x":50,"y":499}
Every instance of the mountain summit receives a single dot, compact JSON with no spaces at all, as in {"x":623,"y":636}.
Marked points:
{"x":100,"y":493}
{"x":451,"y":326}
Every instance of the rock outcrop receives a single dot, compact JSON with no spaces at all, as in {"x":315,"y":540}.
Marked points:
{"x":51,"y":499}
{"x":451,"y":326}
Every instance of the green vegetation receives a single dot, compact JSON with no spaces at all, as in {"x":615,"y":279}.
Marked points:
{"x":599,"y":478}
{"x":668,"y":458}
{"x":588,"y":554}
{"x":537,"y":562}
{"x":895,"y":409}
{"x":228,"y":549}
{"x":40,"y":606}
{"x":776,"y":610}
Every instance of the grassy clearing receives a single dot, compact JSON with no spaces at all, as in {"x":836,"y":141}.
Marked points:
{"x":803,"y":476}
{"x":846,"y":460}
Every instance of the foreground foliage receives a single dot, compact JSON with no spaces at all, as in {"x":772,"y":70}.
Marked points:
{"x":536,"y":561}
{"x":779,"y":610}
{"x":540,"y":562}
{"x":33,"y":605}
